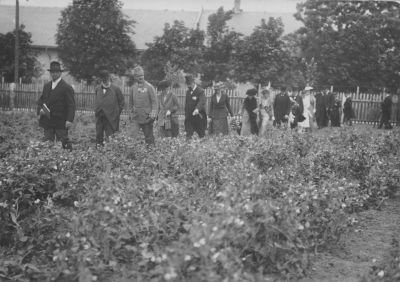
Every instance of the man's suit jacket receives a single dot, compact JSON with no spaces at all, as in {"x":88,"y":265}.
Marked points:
{"x":111,"y":102}
{"x":195,"y":99}
{"x":61,"y":103}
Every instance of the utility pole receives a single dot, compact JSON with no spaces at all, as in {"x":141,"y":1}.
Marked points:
{"x":16,"y":51}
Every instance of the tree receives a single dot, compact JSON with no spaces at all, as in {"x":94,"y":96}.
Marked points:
{"x":354,"y":43}
{"x":260,"y":57}
{"x":219,"y":51}
{"x":28,"y":65}
{"x":95,"y":34}
{"x":179,"y":46}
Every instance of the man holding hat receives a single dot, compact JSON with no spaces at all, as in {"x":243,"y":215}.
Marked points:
{"x":143,"y":105}
{"x":168,"y":107}
{"x":56,"y":107}
{"x":108,"y":107}
{"x":195,"y":113}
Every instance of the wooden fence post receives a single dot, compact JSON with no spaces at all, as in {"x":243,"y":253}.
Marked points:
{"x":12,"y":95}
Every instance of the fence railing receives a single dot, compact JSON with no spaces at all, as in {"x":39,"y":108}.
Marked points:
{"x":24,"y":96}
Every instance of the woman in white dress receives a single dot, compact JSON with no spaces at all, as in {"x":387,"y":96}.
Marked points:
{"x":308,"y":103}
{"x":266,"y":111}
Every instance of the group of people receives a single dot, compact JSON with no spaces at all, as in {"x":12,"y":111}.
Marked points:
{"x":297,"y":111}
{"x":56,"y":109}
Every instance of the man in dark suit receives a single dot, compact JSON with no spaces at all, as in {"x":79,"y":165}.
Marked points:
{"x":281,"y":107}
{"x":195,"y":113}
{"x":108,"y":107}
{"x":56,"y":107}
{"x":321,"y":114}
{"x":386,"y":110}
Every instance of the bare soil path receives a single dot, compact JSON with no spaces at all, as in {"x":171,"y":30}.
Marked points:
{"x":364,"y":246}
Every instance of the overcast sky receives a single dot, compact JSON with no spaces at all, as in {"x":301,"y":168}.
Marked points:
{"x":192,"y":5}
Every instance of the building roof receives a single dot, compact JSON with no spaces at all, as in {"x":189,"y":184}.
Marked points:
{"x":42,"y":22}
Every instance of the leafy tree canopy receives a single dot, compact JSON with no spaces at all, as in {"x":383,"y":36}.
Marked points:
{"x":219,"y":52}
{"x":354,"y":43}
{"x":95,"y":34}
{"x":260,"y":57}
{"x":182,"y":48}
{"x":28,"y":65}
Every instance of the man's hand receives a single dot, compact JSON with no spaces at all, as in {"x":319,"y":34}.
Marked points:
{"x":168,"y":113}
{"x":68,"y":124}
{"x":41,"y":113}
{"x":195,"y":112}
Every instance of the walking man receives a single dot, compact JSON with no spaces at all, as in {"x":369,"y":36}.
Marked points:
{"x":56,"y":107}
{"x":386,"y":109}
{"x":195,"y":113}
{"x":108,"y":107}
{"x":143,"y":105}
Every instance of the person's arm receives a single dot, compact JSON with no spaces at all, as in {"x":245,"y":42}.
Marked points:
{"x":40,"y":102}
{"x":120,"y":99}
{"x":228,"y":106}
{"x":201,"y":105}
{"x":153,"y":102}
{"x":70,"y":101}
{"x":287,"y":105}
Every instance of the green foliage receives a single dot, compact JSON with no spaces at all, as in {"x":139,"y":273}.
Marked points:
{"x":28,"y":65}
{"x":220,"y":47}
{"x":260,"y":57}
{"x":179,"y":46}
{"x":95,"y":34}
{"x":353,"y":43}
{"x":231,"y":208}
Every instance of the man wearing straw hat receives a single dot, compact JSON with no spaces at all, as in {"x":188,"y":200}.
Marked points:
{"x":56,"y":107}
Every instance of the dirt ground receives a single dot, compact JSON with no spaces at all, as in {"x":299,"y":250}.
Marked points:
{"x":364,"y":246}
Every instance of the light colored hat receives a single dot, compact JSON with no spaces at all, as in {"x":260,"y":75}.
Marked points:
{"x":219,"y":85}
{"x":308,"y":88}
{"x":138,"y":71}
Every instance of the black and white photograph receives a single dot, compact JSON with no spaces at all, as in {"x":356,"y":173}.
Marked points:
{"x":199,"y":140}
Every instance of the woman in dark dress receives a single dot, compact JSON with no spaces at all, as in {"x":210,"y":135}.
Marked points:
{"x":348,"y":112}
{"x":249,"y":113}
{"x":335,"y":112}
{"x":219,"y":109}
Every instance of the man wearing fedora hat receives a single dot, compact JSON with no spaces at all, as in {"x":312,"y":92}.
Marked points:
{"x":108,"y":107}
{"x":56,"y":107}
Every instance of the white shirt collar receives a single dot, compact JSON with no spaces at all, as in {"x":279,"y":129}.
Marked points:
{"x":195,"y":86}
{"x":55,"y":83}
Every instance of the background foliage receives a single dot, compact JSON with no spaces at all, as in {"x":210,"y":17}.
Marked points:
{"x":95,"y":34}
{"x":29,"y":67}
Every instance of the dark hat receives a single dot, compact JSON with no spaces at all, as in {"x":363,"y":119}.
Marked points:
{"x":251,"y":92}
{"x":55,"y":66}
{"x":164,"y":84}
{"x":189,"y":79}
